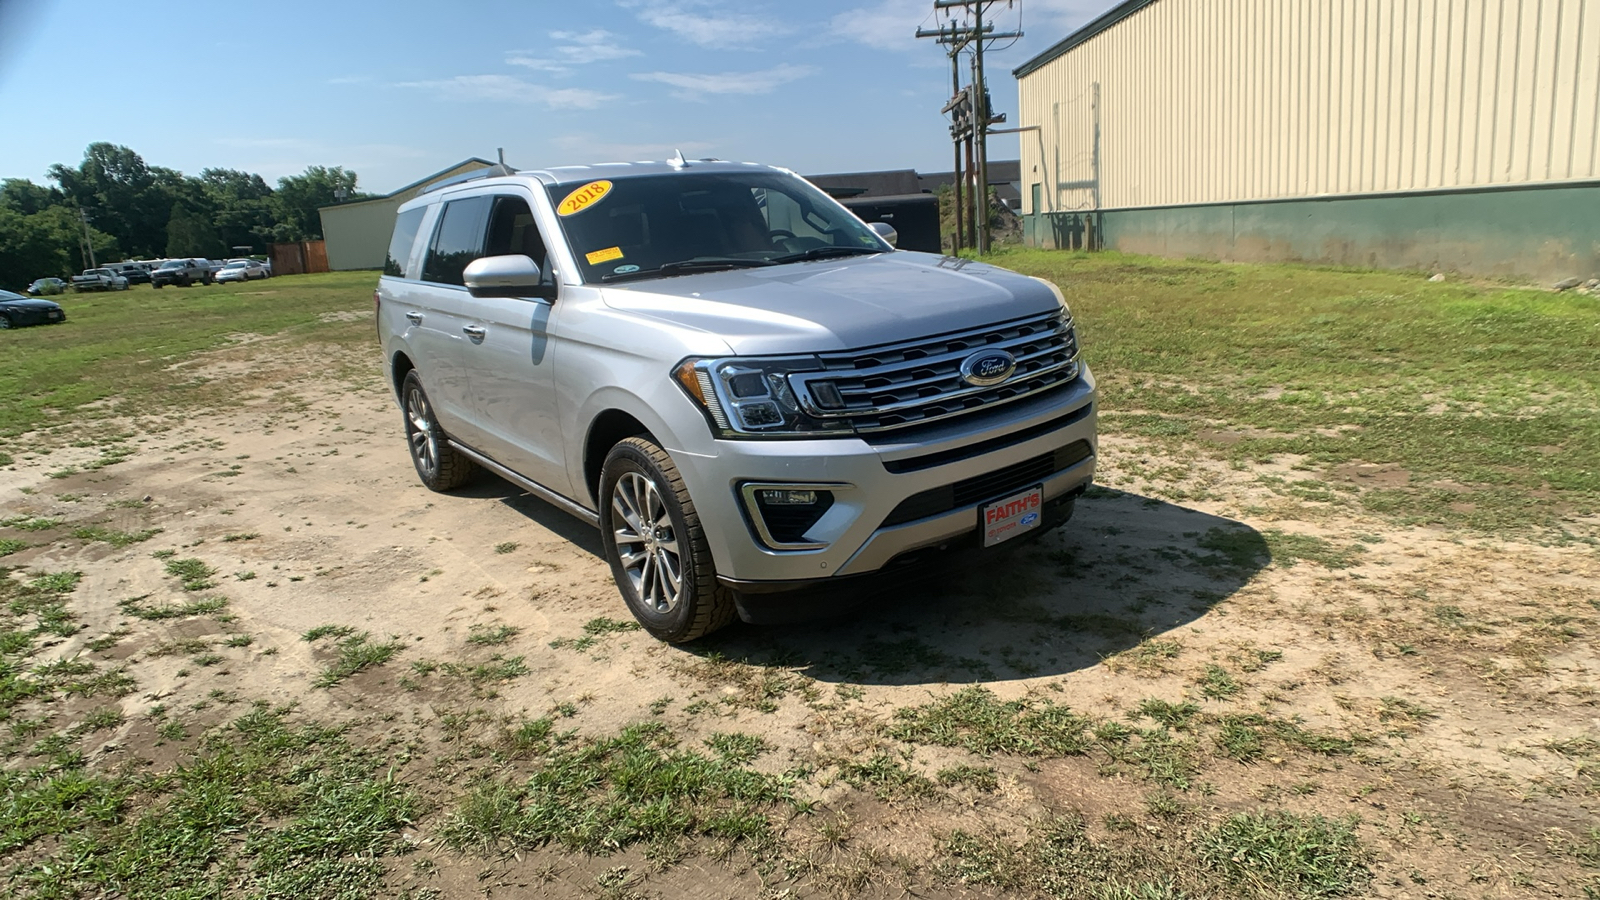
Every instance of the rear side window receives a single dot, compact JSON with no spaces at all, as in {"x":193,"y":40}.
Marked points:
{"x":458,"y":240}
{"x":405,"y":234}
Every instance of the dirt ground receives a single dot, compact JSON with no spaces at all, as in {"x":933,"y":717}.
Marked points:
{"x":1463,"y":666}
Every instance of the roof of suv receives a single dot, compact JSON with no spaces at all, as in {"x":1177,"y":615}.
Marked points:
{"x":580,"y":174}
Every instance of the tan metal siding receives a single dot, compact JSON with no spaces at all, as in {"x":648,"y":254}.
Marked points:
{"x":1204,"y":101}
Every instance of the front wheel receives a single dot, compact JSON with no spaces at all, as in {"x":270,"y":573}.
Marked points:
{"x":656,"y":545}
{"x":5,"y":322}
{"x":440,"y":466}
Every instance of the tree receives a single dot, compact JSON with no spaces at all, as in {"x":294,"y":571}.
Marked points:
{"x":243,"y":204}
{"x":46,"y":243}
{"x":190,"y":234}
{"x":125,"y":197}
{"x":299,"y":197}
{"x":23,"y":196}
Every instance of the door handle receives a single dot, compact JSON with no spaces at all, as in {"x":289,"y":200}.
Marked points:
{"x":476,"y":332}
{"x":414,"y":318}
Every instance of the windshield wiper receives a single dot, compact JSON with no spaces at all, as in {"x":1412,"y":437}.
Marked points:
{"x":685,"y":266}
{"x":824,"y":253}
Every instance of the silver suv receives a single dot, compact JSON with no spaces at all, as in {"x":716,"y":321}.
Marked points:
{"x":756,"y":399}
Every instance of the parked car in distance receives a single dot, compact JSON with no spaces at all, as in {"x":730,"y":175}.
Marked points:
{"x":241,"y":270}
{"x":753,"y":396}
{"x":17,"y":311}
{"x":43,"y":286}
{"x":135,"y":272}
{"x":181,"y":272}
{"x":99,"y":280}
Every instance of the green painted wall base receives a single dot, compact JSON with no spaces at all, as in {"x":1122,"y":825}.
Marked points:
{"x":1546,"y":233}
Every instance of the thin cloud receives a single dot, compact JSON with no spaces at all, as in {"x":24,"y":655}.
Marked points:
{"x":510,"y":89}
{"x":707,"y":22}
{"x":692,"y":86}
{"x":577,"y":48}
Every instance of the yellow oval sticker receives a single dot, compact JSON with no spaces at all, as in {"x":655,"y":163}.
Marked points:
{"x":583,"y":198}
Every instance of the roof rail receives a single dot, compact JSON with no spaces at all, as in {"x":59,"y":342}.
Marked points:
{"x":494,"y":171}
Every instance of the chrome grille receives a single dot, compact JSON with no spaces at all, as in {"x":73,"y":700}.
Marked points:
{"x":910,"y":383}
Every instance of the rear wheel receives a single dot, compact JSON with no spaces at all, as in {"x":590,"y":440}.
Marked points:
{"x":440,"y":466}
{"x":656,"y":545}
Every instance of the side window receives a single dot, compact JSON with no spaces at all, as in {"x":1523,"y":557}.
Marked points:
{"x":512,"y":230}
{"x":458,"y":240}
{"x":405,"y":235}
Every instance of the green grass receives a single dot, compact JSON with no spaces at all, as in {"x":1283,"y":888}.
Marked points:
{"x":607,"y":794}
{"x":136,"y":607}
{"x":9,"y":546}
{"x":1457,"y":384}
{"x":356,"y":653}
{"x":113,"y":537}
{"x":976,"y":720}
{"x":195,"y":574}
{"x":593,"y":630}
{"x":262,"y":808}
{"x":29,"y":523}
{"x":51,"y":372}
{"x":488,"y":636}
{"x":1283,"y":854}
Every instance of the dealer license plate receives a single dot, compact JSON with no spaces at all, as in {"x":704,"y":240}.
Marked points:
{"x":1017,"y":514}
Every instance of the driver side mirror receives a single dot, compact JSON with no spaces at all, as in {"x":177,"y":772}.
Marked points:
{"x":514,"y":275}
{"x":886,"y":231}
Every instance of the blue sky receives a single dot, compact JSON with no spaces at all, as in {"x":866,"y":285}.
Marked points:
{"x":398,"y":89}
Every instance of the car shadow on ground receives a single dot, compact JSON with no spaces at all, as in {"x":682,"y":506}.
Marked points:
{"x":561,"y":524}
{"x":1126,"y":570}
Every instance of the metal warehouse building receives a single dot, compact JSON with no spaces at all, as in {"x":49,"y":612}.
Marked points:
{"x":1453,"y":134}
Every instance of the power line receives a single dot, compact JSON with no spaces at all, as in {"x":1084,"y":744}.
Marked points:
{"x":969,"y":108}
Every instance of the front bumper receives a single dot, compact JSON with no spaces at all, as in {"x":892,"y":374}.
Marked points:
{"x":886,"y":481}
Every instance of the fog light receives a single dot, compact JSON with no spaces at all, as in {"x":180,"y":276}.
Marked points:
{"x":788,"y":498}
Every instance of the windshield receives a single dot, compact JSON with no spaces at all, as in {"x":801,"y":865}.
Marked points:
{"x":173,"y":264}
{"x":690,"y":221}
{"x":235,"y":265}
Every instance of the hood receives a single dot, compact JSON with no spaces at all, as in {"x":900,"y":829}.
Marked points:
{"x":837,"y":304}
{"x":28,"y":303}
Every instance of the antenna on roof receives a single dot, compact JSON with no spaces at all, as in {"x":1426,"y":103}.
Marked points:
{"x":500,"y":168}
{"x":677,"y":161}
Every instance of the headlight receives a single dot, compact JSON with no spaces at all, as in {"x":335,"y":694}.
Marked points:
{"x":752,"y":398}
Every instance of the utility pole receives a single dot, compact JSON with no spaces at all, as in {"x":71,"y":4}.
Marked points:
{"x":970,"y":115}
{"x":88,"y":244}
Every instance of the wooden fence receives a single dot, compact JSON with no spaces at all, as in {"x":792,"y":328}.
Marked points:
{"x":299,"y":259}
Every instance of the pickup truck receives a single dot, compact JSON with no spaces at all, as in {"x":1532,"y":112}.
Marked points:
{"x":182,"y":272}
{"x":99,"y":280}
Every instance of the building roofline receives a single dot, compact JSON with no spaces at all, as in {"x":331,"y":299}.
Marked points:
{"x":1106,"y":19}
{"x":418,"y":183}
{"x":422,"y":181}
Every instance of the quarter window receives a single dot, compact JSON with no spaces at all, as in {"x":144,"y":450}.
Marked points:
{"x":458,"y":240}
{"x":405,"y":234}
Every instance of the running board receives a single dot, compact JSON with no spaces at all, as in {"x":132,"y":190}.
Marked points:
{"x":532,"y":487}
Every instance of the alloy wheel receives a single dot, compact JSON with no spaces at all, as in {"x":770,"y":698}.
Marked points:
{"x":424,"y":443}
{"x":646,"y":542}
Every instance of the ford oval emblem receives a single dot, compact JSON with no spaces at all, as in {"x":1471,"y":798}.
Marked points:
{"x":987,"y":367}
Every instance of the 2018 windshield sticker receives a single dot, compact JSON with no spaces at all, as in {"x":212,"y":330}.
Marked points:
{"x":606,"y":255}
{"x":583,"y":198}
{"x":623,"y":270}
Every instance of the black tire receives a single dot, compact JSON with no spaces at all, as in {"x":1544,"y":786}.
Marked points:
{"x":701,"y":604}
{"x":156,"y":285}
{"x":5,"y":321}
{"x":439,"y":466}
